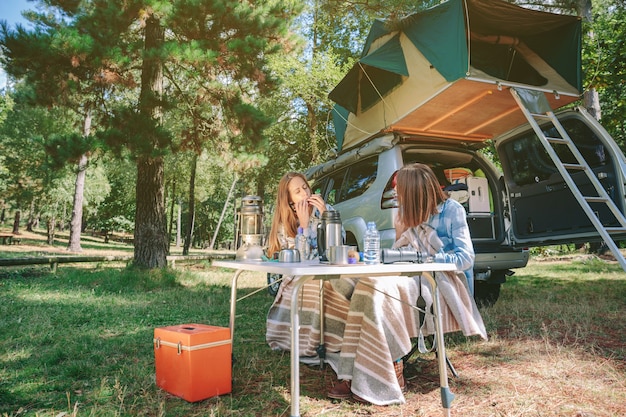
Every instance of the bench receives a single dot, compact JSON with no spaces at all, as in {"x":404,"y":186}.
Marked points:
{"x":8,"y":239}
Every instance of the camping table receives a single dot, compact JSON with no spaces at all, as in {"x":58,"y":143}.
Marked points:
{"x":305,"y":271}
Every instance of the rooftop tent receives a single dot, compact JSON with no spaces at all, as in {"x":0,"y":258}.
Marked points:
{"x":374,"y":75}
{"x":460,"y":58}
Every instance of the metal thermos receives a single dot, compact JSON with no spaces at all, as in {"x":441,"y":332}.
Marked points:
{"x":329,"y":233}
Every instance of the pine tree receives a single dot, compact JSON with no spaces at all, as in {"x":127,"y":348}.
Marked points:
{"x":141,"y":51}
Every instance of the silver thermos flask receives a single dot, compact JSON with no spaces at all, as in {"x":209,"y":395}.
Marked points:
{"x":329,"y":233}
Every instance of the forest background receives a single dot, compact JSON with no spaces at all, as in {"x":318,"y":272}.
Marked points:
{"x":155,"y":117}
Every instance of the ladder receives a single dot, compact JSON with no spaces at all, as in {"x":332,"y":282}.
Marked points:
{"x":536,"y":108}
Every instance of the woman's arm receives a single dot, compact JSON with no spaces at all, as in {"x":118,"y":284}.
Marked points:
{"x":455,"y":236}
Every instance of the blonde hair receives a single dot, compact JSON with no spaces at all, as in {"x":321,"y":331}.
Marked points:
{"x":283,"y":213}
{"x":419,"y":193}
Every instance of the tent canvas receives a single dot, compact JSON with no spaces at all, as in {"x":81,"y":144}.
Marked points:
{"x":446,"y":71}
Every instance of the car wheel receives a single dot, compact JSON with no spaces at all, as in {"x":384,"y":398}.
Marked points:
{"x":273,"y":282}
{"x":486,"y":293}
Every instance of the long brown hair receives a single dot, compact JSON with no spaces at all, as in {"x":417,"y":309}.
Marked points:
{"x":419,"y":193}
{"x":283,"y":213}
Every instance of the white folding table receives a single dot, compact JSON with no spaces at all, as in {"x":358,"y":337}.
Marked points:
{"x":307,"y":270}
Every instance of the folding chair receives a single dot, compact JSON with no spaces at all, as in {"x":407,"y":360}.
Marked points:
{"x":420,"y":344}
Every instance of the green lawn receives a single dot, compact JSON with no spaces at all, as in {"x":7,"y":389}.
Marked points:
{"x":79,"y":342}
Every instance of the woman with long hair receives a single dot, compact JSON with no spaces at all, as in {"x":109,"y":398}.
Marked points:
{"x":382,"y":319}
{"x":296,"y":206}
{"x":421,"y":202}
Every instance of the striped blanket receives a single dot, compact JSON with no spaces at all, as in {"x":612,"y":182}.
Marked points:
{"x":370,"y":323}
{"x":459,"y":311}
{"x":337,"y":294}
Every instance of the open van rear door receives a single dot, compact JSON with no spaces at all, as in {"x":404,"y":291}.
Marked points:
{"x":546,"y":208}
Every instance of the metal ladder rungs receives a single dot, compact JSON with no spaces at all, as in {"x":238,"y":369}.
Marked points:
{"x":575,"y":166}
{"x":531,"y":102}
{"x":595,"y":199}
{"x":557,"y":141}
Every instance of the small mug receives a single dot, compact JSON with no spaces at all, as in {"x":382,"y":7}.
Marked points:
{"x":289,"y":255}
{"x":338,"y":255}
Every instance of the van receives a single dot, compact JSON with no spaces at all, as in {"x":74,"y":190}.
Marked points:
{"x":443,"y":84}
{"x":527,"y":203}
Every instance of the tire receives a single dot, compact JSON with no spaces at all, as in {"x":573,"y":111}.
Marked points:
{"x":486,"y":293}
{"x":273,"y":282}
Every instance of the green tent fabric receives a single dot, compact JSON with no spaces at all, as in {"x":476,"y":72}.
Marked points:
{"x":556,"y":38}
{"x":389,"y":57}
{"x":372,"y":77}
{"x":460,"y":41}
{"x":340,"y":122}
{"x":377,"y":30}
{"x":439,"y":34}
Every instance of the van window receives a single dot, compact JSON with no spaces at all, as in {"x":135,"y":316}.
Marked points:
{"x":530,"y":163}
{"x":586,"y":141}
{"x":360,"y":177}
{"x":319,"y":187}
{"x":333,"y":188}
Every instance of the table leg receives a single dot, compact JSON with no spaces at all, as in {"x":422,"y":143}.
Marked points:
{"x":446,"y":395}
{"x":321,"y":348}
{"x":233,"y":303}
{"x":295,"y":347}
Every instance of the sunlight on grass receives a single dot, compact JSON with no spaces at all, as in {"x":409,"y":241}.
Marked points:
{"x":16,"y":355}
{"x":79,"y":343}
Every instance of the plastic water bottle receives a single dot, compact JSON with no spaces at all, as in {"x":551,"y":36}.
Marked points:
{"x":302,"y":244}
{"x":371,"y":245}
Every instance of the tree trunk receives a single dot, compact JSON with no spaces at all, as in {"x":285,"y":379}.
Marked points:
{"x":16,"y":223}
{"x":50,"y":229}
{"x":260,"y":187}
{"x":179,"y":222}
{"x":591,"y":101}
{"x":312,"y":126}
{"x":151,"y":243}
{"x":31,"y":216}
{"x":173,"y":199}
{"x":192,"y":206}
{"x":77,"y":207}
{"x":62,"y":224}
{"x":79,"y":191}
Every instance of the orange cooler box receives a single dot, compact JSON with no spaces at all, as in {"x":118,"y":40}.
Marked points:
{"x":193,"y":361}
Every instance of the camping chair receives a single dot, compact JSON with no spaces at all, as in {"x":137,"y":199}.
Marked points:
{"x":420,"y":344}
{"x":273,"y":282}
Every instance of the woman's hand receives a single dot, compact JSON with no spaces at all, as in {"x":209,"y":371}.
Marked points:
{"x":317,"y":201}
{"x":302,"y":211}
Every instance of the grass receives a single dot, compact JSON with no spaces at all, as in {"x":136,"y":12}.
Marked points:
{"x":79,"y":343}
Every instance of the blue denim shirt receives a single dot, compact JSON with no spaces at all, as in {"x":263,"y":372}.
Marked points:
{"x":451,"y":227}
